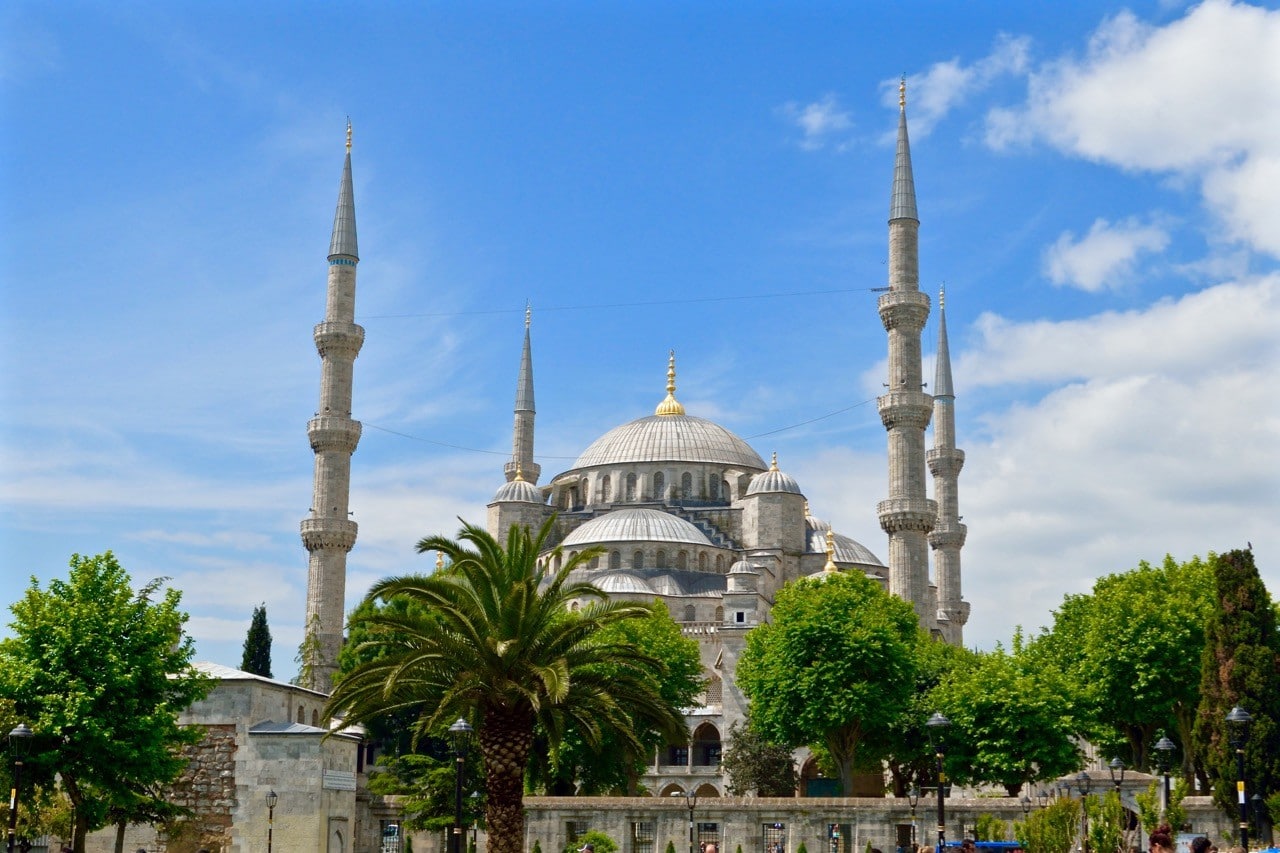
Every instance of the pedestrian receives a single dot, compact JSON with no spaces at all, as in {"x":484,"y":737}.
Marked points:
{"x":1162,"y":840}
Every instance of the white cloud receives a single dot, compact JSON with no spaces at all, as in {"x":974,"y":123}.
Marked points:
{"x":820,"y":123}
{"x":1103,"y":258}
{"x":1198,"y":98}
{"x":945,"y":85}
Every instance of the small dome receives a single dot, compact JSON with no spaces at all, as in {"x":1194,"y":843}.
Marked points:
{"x":635,"y":525}
{"x":620,"y":582}
{"x":773,"y":480}
{"x":742,"y":567}
{"x":847,"y":550}
{"x":518,"y":491}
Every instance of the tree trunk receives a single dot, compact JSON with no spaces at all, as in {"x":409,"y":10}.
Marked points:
{"x":120,"y":828}
{"x":505,"y":738}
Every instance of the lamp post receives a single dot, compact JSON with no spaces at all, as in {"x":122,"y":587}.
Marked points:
{"x":1164,"y":749}
{"x":1083,"y":783}
{"x":475,"y":819}
{"x":19,"y":745}
{"x":691,"y":800}
{"x":272,"y":799}
{"x":1238,"y":721}
{"x":913,"y":799}
{"x":937,"y":724}
{"x":460,"y":735}
{"x":1026,"y":807}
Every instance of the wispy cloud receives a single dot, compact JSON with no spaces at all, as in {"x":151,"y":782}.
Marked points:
{"x":1103,"y":258}
{"x":1198,"y":98}
{"x":821,"y":123}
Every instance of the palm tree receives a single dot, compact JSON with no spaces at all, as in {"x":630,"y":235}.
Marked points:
{"x":495,"y":642}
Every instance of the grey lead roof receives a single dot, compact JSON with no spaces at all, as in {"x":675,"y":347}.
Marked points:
{"x":670,"y":438}
{"x":848,"y":550}
{"x":343,"y":242}
{"x":773,"y":481}
{"x":518,"y":491}
{"x":635,"y":525}
{"x":942,"y":376}
{"x":902,"y":204}
{"x":524,"y":387}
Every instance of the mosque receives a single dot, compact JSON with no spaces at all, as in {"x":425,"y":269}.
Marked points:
{"x":687,"y":512}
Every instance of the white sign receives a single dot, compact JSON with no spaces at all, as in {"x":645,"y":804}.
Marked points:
{"x":339,"y":780}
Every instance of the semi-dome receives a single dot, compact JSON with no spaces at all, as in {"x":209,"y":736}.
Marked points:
{"x":518,"y":491}
{"x":616,"y":583}
{"x":670,"y":438}
{"x":635,"y":525}
{"x":847,"y":550}
{"x":773,"y":481}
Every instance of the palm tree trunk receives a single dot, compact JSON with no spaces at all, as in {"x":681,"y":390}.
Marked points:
{"x":505,"y":737}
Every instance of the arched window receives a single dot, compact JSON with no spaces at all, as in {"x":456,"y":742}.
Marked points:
{"x":682,"y":560}
{"x":713,"y":487}
{"x":702,"y":561}
{"x":302,"y":715}
{"x":706,"y":746}
{"x":719,"y":614}
{"x":315,"y":718}
{"x":631,"y":487}
{"x":659,"y":487}
{"x":606,"y":489}
{"x":660,"y":559}
{"x":686,"y":485}
{"x":719,"y":562}
{"x":690,"y":614}
{"x":615,"y":559}
{"x":555,"y":564}
{"x":584,"y":492}
{"x":637,"y":560}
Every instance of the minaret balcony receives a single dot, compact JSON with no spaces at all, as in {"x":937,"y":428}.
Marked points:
{"x":897,"y":514}
{"x":944,"y":461}
{"x":333,"y":433}
{"x":322,"y":533}
{"x":338,"y":338}
{"x":907,"y":408}
{"x":948,"y":535}
{"x":904,"y":308}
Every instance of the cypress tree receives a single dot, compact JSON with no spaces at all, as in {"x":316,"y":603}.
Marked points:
{"x":257,"y":645}
{"x":1241,"y":666}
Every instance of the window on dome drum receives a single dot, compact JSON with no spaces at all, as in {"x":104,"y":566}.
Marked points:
{"x":702,"y":561}
{"x":713,"y":488}
{"x":660,"y":559}
{"x":631,"y":487}
{"x":584,"y":492}
{"x":615,"y":559}
{"x":719,"y":562}
{"x":686,"y":485}
{"x":637,"y":560}
{"x":682,"y":560}
{"x":606,"y":489}
{"x":659,"y":486}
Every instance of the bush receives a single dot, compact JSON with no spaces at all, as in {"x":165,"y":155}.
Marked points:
{"x":990,"y":828}
{"x":601,"y":842}
{"x":1050,"y":830}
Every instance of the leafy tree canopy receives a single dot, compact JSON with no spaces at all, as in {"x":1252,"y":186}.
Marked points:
{"x":100,"y":673}
{"x":835,"y":664}
{"x":257,"y":645}
{"x":756,"y":766}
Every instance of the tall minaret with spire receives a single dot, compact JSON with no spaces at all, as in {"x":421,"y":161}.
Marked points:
{"x":522,"y":434}
{"x":328,"y":533}
{"x":907,"y":515}
{"x":945,"y":461}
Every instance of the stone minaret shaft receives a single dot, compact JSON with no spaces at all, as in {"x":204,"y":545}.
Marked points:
{"x":328,"y":533}
{"x":945,"y":462}
{"x":907,"y":516}
{"x":522,"y":435}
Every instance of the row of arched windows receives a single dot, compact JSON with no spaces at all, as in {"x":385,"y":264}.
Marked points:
{"x":661,"y":560}
{"x":631,"y":488}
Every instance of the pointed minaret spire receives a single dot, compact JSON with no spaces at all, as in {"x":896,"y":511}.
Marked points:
{"x":945,"y":462}
{"x":902,"y":204}
{"x":670,"y":406}
{"x":907,"y":515}
{"x":522,"y":434}
{"x":329,"y":533}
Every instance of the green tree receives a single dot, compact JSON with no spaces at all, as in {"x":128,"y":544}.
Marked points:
{"x":1108,"y":823}
{"x":257,"y":645}
{"x":424,"y":784}
{"x":100,"y":673}
{"x":1149,"y":806}
{"x":1130,"y":653}
{"x":502,"y":648}
{"x":612,"y":767}
{"x":1051,"y":829}
{"x":1241,"y":667}
{"x":834,"y":665}
{"x":755,"y":766}
{"x":988,"y":827}
{"x":1008,"y":723}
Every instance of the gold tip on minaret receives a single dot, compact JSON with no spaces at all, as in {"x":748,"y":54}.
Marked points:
{"x":439,"y":560}
{"x":773,"y":466}
{"x":670,"y":406}
{"x":528,"y":315}
{"x":902,"y":93}
{"x":942,"y":297}
{"x":348,"y":134}
{"x":831,"y":552}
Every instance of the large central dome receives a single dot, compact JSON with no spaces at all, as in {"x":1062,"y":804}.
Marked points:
{"x":670,"y":438}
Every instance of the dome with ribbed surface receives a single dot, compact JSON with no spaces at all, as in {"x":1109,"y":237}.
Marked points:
{"x":847,"y":550}
{"x":773,"y":481}
{"x":620,"y":582}
{"x":518,"y":491}
{"x":670,"y":438}
{"x":635,"y":525}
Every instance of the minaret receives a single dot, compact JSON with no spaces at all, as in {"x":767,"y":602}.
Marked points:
{"x":522,"y":434}
{"x":328,"y":533}
{"x":907,"y":516}
{"x":945,"y":462}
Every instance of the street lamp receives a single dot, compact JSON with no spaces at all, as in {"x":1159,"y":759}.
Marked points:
{"x":460,"y":736}
{"x":937,"y":725}
{"x":272,"y":799}
{"x":475,"y":819}
{"x":1164,"y":749}
{"x":1083,"y":783}
{"x":19,"y":746}
{"x":1026,"y":806}
{"x":690,"y":800}
{"x":1238,"y":721}
{"x":1116,"y":768}
{"x":913,"y":799}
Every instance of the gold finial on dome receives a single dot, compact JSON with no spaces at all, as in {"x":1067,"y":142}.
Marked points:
{"x":348,"y":134}
{"x":831,"y":552}
{"x":519,"y":472}
{"x":807,"y":514}
{"x":670,"y":406}
{"x":439,"y":560}
{"x":773,"y":466}
{"x":902,"y":93}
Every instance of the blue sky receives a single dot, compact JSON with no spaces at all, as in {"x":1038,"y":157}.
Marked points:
{"x":1096,"y":186}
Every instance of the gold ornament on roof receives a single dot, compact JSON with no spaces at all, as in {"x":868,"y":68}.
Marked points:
{"x":773,"y":466}
{"x":670,"y":406}
{"x":348,"y":134}
{"x":439,"y":560}
{"x":942,"y":297}
{"x":831,"y":552}
{"x":902,"y":93}
{"x":519,"y":472}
